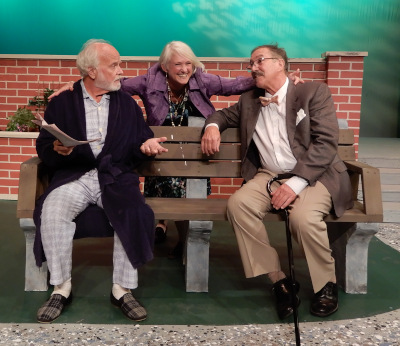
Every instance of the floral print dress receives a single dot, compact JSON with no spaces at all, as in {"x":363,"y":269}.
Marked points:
{"x":173,"y":187}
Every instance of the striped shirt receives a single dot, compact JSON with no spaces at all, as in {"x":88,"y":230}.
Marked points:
{"x":96,"y":119}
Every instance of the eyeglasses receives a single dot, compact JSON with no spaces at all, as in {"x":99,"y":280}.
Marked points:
{"x":257,"y":62}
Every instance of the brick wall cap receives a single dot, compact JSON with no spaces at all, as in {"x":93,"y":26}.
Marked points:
{"x":149,"y":58}
{"x":15,"y":134}
{"x":38,"y":56}
{"x":306,"y":60}
{"x":326,"y":54}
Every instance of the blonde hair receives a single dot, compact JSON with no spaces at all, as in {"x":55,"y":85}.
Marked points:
{"x":88,"y":56}
{"x":182,"y":49}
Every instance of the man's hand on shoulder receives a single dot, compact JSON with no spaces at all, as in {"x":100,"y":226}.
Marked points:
{"x":153,"y":147}
{"x":295,"y":77}
{"x":211,"y":140}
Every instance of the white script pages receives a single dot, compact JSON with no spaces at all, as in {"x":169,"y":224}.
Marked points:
{"x":66,"y":140}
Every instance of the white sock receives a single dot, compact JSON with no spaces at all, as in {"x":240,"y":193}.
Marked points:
{"x":64,"y":289}
{"x":118,"y":291}
{"x":163,"y":225}
{"x":276,"y":276}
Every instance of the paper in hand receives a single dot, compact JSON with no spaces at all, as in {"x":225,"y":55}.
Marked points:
{"x":66,"y":140}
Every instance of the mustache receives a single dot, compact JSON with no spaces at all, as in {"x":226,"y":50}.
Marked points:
{"x":257,"y":74}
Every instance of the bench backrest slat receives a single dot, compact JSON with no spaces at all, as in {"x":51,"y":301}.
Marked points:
{"x":185,"y":158}
{"x":192,"y":151}
{"x":346,"y":153}
{"x":192,"y":134}
{"x":190,"y":169}
{"x":346,"y":137}
{"x":231,"y":135}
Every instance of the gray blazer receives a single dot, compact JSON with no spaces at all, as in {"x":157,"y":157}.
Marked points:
{"x":313,"y":133}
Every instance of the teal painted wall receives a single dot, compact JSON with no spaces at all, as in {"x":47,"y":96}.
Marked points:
{"x":230,"y":28}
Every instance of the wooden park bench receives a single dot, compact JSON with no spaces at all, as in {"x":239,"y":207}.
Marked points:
{"x":349,"y":235}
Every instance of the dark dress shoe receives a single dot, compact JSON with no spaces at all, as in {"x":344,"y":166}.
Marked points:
{"x":53,"y":308}
{"x":130,"y":307}
{"x":177,"y":251}
{"x":325,"y":302}
{"x":283,"y":292}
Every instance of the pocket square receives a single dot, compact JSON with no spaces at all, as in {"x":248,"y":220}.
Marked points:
{"x":300,"y":116}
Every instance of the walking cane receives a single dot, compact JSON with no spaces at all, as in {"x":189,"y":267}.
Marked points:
{"x":290,"y":257}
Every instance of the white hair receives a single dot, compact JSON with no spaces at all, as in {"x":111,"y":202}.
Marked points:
{"x":88,"y":56}
{"x":182,"y":49}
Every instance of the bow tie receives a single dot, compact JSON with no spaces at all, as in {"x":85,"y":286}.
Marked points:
{"x":265,"y":101}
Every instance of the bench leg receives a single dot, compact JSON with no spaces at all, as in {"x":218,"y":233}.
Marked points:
{"x":197,"y":256}
{"x":350,"y":243}
{"x":35,"y":277}
{"x":197,"y":242}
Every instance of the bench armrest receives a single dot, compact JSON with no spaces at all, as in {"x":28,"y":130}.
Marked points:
{"x":31,"y":186}
{"x":370,"y":185}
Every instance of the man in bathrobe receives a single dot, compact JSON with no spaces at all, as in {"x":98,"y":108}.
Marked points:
{"x":99,"y":173}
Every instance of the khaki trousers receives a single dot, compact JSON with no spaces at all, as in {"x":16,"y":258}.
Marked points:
{"x":246,"y":210}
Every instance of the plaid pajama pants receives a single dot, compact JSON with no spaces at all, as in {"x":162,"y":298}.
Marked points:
{"x":61,"y":206}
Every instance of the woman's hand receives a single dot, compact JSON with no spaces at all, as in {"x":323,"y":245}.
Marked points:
{"x":69,"y":86}
{"x":295,"y":77}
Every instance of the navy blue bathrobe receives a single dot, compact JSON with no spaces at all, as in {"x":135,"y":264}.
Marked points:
{"x":123,"y":203}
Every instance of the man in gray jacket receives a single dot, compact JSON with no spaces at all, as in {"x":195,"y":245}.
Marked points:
{"x":291,"y":129}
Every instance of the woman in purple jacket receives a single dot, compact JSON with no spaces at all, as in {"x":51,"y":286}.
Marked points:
{"x":173,"y":91}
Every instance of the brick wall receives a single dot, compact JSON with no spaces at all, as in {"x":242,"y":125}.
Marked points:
{"x":22,"y":76}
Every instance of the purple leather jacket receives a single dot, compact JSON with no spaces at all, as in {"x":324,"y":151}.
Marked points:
{"x":152,"y":89}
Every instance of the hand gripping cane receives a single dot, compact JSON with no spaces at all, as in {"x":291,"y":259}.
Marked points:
{"x":290,"y":257}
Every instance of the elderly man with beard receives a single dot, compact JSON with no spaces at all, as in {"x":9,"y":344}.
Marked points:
{"x":99,"y":173}
{"x":293,"y":130}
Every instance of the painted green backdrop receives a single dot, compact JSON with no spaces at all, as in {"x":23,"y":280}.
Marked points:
{"x":231,"y":28}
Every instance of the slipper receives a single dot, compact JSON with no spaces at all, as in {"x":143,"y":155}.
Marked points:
{"x":130,"y":307}
{"x":53,"y":308}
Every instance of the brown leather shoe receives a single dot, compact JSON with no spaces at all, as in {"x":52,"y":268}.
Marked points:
{"x":160,"y":235}
{"x":325,"y":302}
{"x":283,"y":293}
{"x":177,"y":251}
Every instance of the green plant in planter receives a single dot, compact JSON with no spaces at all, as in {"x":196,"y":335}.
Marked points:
{"x":21,"y":121}
{"x":40,"y":102}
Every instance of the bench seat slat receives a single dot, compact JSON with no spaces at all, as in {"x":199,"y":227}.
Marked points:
{"x":215,"y":209}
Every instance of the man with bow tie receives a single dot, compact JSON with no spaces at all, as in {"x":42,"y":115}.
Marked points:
{"x":293,"y":130}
